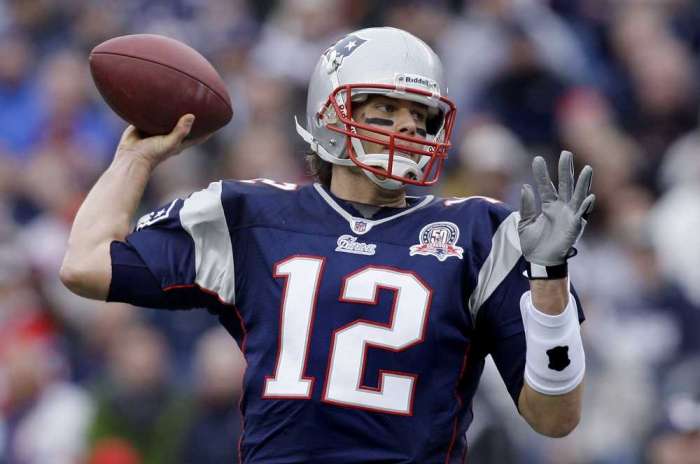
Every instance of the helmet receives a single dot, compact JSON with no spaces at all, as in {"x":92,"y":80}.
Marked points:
{"x":379,"y":61}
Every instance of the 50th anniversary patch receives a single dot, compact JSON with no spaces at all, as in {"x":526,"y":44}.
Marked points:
{"x":438,"y":239}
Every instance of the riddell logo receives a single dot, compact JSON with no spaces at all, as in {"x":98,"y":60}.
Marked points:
{"x":414,"y":80}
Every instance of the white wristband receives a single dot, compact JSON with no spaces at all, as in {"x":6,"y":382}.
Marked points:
{"x":555,"y":361}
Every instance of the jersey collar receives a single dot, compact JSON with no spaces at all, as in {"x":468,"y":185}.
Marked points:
{"x":360,"y":225}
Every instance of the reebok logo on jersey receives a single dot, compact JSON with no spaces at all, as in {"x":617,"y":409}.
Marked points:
{"x":349,"y":244}
{"x":438,"y":239}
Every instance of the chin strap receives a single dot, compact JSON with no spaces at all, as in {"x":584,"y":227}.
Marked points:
{"x":402,"y":166}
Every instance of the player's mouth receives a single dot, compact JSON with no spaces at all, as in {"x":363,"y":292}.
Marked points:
{"x":397,"y":153}
{"x":412,"y":156}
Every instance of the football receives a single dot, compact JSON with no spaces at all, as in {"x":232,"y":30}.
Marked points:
{"x":151,"y":81}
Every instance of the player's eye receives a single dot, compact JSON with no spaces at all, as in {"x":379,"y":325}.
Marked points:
{"x":386,"y":107}
{"x":419,"y":116}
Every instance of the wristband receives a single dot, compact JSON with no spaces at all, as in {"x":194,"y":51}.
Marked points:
{"x":539,"y":272}
{"x":555,"y":361}
{"x":559,"y":271}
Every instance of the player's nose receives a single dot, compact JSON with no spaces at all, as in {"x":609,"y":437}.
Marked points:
{"x":405,"y":122}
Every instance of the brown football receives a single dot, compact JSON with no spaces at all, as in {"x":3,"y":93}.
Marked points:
{"x":151,"y":80}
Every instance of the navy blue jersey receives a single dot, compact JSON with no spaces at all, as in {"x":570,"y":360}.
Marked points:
{"x":365,"y":339}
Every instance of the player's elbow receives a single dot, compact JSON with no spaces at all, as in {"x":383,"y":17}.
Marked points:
{"x":73,"y":277}
{"x":558,"y":427}
{"x":85,"y":277}
{"x":69,"y":275}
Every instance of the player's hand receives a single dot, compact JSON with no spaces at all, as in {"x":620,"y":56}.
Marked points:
{"x":547,"y":236}
{"x":156,"y":149}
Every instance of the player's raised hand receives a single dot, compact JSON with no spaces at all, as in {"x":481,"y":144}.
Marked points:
{"x":158,"y":148}
{"x":547,"y":236}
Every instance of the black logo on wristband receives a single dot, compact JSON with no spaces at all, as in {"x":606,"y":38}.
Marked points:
{"x":559,"y":358}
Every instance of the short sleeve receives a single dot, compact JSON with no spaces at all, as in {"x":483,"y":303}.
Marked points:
{"x":133,"y":283}
{"x":185,"y":244}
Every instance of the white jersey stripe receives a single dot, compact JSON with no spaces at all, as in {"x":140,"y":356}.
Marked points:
{"x":505,"y":252}
{"x":202,"y":216}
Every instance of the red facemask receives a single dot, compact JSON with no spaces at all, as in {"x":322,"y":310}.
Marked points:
{"x":429,"y":155}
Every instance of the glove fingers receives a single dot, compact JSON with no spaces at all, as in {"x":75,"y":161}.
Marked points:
{"x":586,"y":207}
{"x":544,"y":184}
{"x":583,"y":187}
{"x":566,"y":176}
{"x":528,"y":208}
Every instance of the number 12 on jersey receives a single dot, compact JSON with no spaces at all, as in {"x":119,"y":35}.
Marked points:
{"x":345,"y":370}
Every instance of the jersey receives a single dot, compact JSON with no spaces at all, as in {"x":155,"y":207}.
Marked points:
{"x":365,"y":338}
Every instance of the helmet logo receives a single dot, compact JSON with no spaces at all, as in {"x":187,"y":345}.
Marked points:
{"x":342,"y":48}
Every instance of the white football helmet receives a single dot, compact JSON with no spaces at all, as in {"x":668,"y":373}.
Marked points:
{"x":384,"y":61}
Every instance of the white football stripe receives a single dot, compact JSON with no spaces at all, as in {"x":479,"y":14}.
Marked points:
{"x":505,"y":253}
{"x":202,"y":216}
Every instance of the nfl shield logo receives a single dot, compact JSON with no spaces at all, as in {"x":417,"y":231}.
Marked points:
{"x":359,"y":227}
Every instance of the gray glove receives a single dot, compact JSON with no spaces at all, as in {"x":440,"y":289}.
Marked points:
{"x":547,"y":237}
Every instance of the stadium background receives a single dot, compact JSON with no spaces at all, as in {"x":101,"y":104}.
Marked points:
{"x":613,"y":81}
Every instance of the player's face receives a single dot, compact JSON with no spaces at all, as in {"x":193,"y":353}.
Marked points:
{"x":391,"y":114}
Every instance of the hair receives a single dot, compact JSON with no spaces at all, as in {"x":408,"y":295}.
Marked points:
{"x":320,"y":169}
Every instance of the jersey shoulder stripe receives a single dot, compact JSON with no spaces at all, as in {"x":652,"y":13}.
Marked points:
{"x":202,"y":216}
{"x":503,"y":256}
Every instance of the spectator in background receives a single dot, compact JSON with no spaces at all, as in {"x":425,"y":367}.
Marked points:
{"x":95,"y":22}
{"x":46,"y":22}
{"x":479,"y":47}
{"x":676,"y":216}
{"x":297,"y":32}
{"x":661,"y":100}
{"x":492,"y":162}
{"x":586,"y":124}
{"x":638,"y":324}
{"x":21,"y":115}
{"x":216,"y":424}
{"x":676,"y":439}
{"x":43,"y":418}
{"x":74,"y":127}
{"x":136,"y":405}
{"x":524,"y":96}
{"x":263,"y":152}
{"x":426,"y":19}
{"x":90,"y":338}
{"x":267,"y":101}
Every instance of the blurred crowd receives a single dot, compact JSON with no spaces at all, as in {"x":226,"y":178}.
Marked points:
{"x":613,"y":81}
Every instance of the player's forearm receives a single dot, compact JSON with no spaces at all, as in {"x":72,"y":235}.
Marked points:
{"x":104,"y":216}
{"x":551,"y":415}
{"x":549,"y":411}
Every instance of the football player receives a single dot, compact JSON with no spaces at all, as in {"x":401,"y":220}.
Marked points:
{"x":365,"y":314}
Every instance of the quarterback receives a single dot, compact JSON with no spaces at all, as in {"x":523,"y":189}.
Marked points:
{"x":365,"y":314}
